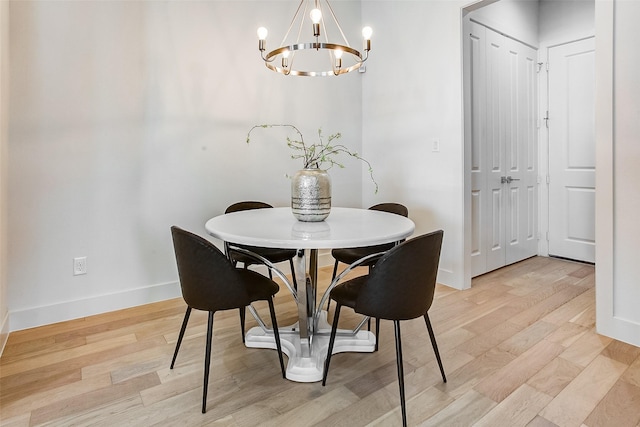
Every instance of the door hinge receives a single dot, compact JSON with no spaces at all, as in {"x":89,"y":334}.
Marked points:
{"x":548,"y":179}
{"x":546,"y":119}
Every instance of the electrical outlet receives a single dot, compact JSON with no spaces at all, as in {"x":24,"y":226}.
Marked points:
{"x":435,"y":145}
{"x":80,"y":266}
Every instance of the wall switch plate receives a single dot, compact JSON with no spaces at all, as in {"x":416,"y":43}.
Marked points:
{"x":435,"y":147}
{"x":80,"y":266}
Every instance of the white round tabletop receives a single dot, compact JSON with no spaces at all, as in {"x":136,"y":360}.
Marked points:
{"x":278,"y":228}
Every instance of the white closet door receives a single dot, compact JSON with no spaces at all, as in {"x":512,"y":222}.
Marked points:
{"x":572,"y":164}
{"x":521,"y":150}
{"x":503,"y":149}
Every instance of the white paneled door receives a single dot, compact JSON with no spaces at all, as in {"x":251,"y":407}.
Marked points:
{"x":503,"y":138}
{"x":572,"y":150}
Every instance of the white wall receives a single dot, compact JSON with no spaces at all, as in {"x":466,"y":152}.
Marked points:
{"x":565,"y":20}
{"x":617,"y":172}
{"x":516,"y":18}
{"x":412,"y":95}
{"x":129,"y":117}
{"x":4,"y":209}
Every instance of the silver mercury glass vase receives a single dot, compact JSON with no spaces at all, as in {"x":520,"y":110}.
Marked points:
{"x":311,"y":195}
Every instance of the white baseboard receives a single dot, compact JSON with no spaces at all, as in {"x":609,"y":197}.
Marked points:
{"x":60,"y":312}
{"x":4,"y":332}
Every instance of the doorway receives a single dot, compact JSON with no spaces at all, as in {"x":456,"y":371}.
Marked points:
{"x":546,"y":24}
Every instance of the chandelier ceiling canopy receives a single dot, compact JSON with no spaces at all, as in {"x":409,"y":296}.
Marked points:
{"x":321,"y":56}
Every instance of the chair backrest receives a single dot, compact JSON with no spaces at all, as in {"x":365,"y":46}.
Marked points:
{"x":402,"y":283}
{"x":247,"y":205}
{"x":208,"y":280}
{"x":395,"y":208}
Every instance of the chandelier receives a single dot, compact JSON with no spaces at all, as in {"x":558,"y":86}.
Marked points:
{"x":294,"y":57}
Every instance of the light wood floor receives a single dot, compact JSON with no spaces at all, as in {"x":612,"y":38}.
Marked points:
{"x":519,"y":348}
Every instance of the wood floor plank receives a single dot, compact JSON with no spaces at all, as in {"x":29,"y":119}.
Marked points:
{"x":490,"y":339}
{"x":419,"y":409}
{"x":632,"y":374}
{"x":548,"y":305}
{"x":586,"y":348}
{"x":622,"y":352}
{"x":541,"y":422}
{"x":572,"y":308}
{"x":98,"y":397}
{"x":554,"y":377}
{"x":63,"y":355}
{"x":363,"y":411}
{"x":459,"y":382}
{"x":620,"y":407}
{"x":37,"y":398}
{"x":466,"y":410}
{"x":567,"y":334}
{"x":312,"y":411}
{"x":527,"y":338}
{"x":576,"y":401}
{"x":518,"y":409}
{"x":506,"y":380}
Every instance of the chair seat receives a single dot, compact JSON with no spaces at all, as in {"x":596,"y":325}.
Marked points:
{"x":346,"y":293}
{"x":351,"y":255}
{"x":274,"y":255}
{"x":258,"y":287}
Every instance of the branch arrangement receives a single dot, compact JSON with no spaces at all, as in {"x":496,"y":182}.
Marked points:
{"x":315,"y":155}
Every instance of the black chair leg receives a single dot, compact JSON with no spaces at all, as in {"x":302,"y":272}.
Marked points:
{"x":435,"y":345}
{"x":207,"y":360}
{"x":293,"y":274}
{"x":369,"y":320}
{"x":181,"y":335}
{"x":276,"y":335}
{"x":377,"y":332}
{"x":332,"y":339}
{"x":335,"y":270}
{"x":242,"y":318}
{"x":396,"y":324}
{"x":333,"y":276}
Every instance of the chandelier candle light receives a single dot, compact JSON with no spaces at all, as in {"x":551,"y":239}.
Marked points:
{"x":281,"y":59}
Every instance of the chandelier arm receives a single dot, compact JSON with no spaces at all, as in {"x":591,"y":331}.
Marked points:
{"x":335,"y":19}
{"x":293,"y":22}
{"x":325,"y":33}
{"x":266,"y":58}
{"x":293,"y":53}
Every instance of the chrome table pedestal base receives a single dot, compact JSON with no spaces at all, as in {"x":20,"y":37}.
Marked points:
{"x":309,"y":368}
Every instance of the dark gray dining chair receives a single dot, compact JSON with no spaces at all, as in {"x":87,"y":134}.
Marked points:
{"x":400,"y":286}
{"x":210,"y":282}
{"x":351,"y":255}
{"x":273,"y":255}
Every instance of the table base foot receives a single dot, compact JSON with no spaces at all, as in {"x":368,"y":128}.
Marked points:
{"x":310,"y":369}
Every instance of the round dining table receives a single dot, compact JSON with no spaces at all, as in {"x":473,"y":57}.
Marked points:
{"x":306,"y":342}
